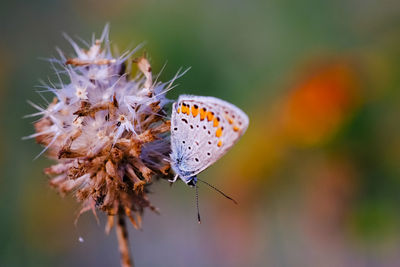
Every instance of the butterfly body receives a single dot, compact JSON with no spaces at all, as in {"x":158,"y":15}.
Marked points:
{"x":203,"y":129}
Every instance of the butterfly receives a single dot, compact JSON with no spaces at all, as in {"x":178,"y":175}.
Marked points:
{"x":203,"y":129}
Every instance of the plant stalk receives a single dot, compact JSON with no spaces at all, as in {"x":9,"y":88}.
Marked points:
{"x":123,"y":242}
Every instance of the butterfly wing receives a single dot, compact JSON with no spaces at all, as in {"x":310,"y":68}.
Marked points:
{"x":203,"y":129}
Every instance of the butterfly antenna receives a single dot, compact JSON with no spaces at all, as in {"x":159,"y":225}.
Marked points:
{"x":219,"y":191}
{"x":197,"y":205}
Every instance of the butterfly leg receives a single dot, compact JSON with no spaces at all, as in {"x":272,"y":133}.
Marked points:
{"x":174,"y":180}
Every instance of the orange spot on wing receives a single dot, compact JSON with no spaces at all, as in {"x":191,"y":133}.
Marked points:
{"x":218,"y":133}
{"x":216,"y":122}
{"x":179,"y":110}
{"x":185,"y":110}
{"x":195,"y":111}
{"x":202,"y":113}
{"x":219,"y":143}
{"x":210,"y":116}
{"x":229,"y":119}
{"x":235,"y":128}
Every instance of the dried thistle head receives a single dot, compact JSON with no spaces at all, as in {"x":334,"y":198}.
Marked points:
{"x":107,"y":130}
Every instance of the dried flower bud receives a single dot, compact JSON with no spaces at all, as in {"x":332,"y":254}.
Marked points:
{"x":107,"y":131}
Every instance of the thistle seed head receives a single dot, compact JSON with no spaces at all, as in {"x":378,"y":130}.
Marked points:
{"x":107,"y":130}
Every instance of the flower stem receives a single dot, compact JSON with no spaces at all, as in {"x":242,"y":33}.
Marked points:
{"x":123,"y":244}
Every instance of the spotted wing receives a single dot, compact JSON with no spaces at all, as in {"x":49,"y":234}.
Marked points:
{"x":203,"y":129}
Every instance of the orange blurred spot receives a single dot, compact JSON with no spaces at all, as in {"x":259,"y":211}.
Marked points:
{"x":316,"y":107}
{"x":219,"y":143}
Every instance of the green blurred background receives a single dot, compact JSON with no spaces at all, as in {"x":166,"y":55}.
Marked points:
{"x":317,"y":174}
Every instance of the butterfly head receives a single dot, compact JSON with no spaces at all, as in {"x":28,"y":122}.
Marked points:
{"x":192,"y":181}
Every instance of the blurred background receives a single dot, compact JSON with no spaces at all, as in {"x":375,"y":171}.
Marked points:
{"x":317,"y":175}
